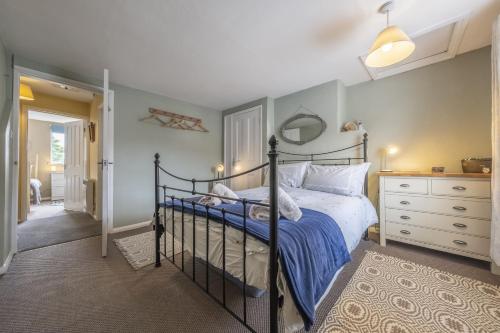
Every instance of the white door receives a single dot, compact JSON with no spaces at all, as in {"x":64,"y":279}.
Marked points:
{"x":243,"y":147}
{"x":106,"y":160}
{"x":74,"y":166}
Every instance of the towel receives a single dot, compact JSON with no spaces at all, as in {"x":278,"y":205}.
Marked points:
{"x":287,"y":207}
{"x":211,"y":201}
{"x":224,"y":191}
{"x":258,"y":212}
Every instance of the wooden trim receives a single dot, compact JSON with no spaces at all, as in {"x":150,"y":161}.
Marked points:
{"x":6,"y":264}
{"x":130,"y":227}
{"x":430,"y":174}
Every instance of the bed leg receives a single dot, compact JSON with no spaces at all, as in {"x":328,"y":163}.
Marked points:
{"x":158,"y":226}
{"x":273,"y":239}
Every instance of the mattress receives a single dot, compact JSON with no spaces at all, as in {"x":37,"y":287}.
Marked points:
{"x":352,"y":214}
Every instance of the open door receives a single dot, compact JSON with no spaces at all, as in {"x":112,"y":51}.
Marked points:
{"x":106,"y":160}
{"x":74,"y":166}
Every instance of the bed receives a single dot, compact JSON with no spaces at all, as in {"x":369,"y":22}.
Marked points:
{"x":219,"y":235}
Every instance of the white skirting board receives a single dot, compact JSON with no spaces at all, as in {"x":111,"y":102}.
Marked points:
{"x":131,"y":227}
{"x":5,"y":266}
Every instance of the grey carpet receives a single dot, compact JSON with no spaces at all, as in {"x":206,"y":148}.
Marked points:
{"x":33,"y":234}
{"x":69,"y":288}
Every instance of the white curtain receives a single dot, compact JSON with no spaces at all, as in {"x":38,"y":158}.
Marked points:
{"x":495,"y":136}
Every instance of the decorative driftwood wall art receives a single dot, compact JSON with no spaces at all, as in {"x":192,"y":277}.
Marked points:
{"x":175,"y":120}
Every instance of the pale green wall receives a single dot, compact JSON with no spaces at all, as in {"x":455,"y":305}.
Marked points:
{"x":437,"y":114}
{"x":327,"y":101}
{"x":187,"y":153}
{"x":5,"y":185}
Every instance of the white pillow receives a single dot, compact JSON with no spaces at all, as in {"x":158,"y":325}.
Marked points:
{"x":291,"y":175}
{"x":346,"y":179}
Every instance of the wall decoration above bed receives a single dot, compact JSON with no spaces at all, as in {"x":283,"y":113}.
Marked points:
{"x":302,"y":128}
{"x":175,"y":120}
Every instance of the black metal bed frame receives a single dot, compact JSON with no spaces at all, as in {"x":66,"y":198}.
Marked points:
{"x":160,"y":227}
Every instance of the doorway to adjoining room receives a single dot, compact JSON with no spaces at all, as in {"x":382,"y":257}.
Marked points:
{"x":58,"y":173}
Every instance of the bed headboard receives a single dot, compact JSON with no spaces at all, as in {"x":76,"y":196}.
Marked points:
{"x":328,"y":158}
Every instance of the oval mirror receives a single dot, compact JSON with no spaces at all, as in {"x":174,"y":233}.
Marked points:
{"x":302,"y":128}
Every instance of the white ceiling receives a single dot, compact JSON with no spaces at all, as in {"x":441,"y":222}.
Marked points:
{"x":221,"y":53}
{"x":50,"y":117}
{"x":58,"y":90}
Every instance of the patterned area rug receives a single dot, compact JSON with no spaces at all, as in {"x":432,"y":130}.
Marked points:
{"x":139,"y":250}
{"x":387,"y":294}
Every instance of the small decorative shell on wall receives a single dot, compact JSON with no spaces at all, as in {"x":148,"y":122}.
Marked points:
{"x":351,"y":126}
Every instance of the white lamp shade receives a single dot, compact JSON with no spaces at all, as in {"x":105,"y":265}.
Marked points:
{"x":219,"y":167}
{"x":392,"y":45}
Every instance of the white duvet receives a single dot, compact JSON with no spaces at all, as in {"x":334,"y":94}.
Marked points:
{"x":353,"y":215}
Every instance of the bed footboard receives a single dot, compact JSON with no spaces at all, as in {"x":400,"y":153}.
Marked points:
{"x":201,"y":214}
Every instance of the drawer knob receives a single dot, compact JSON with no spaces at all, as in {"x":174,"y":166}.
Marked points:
{"x":459,"y":188}
{"x":405,"y":232}
{"x":404,"y":217}
{"x":460,"y":225}
{"x":460,"y":208}
{"x":404,"y":202}
{"x":460,"y":242}
{"x":404,"y":185}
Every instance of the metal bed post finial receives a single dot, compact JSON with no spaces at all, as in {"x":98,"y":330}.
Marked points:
{"x":158,"y":226}
{"x":273,"y":237}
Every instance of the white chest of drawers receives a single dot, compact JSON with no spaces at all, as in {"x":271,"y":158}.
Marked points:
{"x":447,"y":212}
{"x":57,"y":185}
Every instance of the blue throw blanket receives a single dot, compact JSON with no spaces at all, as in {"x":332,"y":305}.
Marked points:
{"x":311,"y":250}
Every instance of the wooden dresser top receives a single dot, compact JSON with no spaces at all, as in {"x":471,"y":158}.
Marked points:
{"x":430,"y":174}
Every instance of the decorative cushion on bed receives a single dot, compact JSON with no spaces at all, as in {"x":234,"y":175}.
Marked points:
{"x":291,"y":175}
{"x":224,"y":191}
{"x":344,"y":180}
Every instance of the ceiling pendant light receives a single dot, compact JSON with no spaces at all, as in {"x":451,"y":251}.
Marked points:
{"x":392,"y":44}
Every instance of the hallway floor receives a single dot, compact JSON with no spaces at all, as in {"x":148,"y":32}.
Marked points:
{"x":63,"y":227}
{"x":46,"y":209}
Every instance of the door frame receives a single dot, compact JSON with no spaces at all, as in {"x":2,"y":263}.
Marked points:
{"x":228,"y":166}
{"x":15,"y":113}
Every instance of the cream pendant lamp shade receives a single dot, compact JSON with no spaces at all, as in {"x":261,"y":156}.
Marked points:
{"x":25,"y":92}
{"x":391,"y":46}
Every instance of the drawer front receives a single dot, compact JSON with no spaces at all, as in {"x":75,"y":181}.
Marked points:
{"x":58,"y":191}
{"x":406,"y":185}
{"x":456,"y":207}
{"x":461,"y":188}
{"x":449,"y":223}
{"x":57,"y":182}
{"x":443,"y":239}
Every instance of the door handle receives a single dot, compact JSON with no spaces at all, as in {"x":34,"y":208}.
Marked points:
{"x":460,"y":208}
{"x":404,"y":217}
{"x":459,"y":188}
{"x":460,"y":225}
{"x":405,"y":232}
{"x":404,"y":185}
{"x":460,"y":242}
{"x":404,"y":202}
